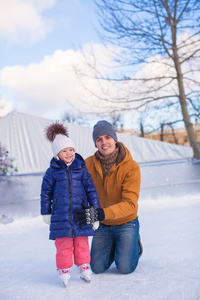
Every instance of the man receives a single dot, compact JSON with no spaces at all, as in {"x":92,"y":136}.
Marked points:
{"x":116,"y":177}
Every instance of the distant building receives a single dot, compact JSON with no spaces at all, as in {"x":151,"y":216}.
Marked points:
{"x":168,"y":134}
{"x":177,"y":136}
{"x":128,"y":131}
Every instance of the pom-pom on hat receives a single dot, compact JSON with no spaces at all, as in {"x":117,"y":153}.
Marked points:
{"x":57,"y":134}
{"x":103,"y":128}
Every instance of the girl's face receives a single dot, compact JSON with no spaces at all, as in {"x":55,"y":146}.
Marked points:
{"x":67,"y":155}
{"x":105,"y":144}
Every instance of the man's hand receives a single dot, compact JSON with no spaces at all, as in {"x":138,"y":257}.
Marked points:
{"x":88,"y":215}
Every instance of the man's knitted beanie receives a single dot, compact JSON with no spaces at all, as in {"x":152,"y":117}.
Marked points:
{"x":103,"y":128}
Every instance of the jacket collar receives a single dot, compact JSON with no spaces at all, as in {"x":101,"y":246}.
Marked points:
{"x":122,"y":153}
{"x":77,"y":163}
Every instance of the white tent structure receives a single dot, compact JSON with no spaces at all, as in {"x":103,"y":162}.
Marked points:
{"x":23,"y":137}
{"x":162,"y":164}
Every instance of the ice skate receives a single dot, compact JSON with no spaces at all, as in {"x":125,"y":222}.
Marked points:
{"x":64,"y":275}
{"x":85,"y":272}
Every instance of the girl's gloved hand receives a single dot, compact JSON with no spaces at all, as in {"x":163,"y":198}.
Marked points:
{"x":47,"y":219}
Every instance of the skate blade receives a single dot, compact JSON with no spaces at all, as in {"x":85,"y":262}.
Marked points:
{"x":86,"y":279}
{"x":65,"y":284}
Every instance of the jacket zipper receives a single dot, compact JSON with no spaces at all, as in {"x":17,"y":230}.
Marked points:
{"x":70,"y":197}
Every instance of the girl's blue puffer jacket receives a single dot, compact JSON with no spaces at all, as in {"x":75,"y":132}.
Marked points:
{"x":63,"y":190}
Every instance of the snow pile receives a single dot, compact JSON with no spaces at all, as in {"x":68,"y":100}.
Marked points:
{"x":168,"y":269}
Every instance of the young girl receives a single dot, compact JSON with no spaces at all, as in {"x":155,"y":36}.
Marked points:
{"x":67,"y":186}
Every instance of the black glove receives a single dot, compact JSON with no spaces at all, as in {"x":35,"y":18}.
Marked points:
{"x":88,"y":215}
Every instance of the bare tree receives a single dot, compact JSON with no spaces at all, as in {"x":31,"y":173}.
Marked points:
{"x":162,"y":133}
{"x":73,"y":118}
{"x":162,"y":38}
{"x":116,"y":120}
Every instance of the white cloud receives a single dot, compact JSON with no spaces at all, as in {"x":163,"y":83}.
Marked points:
{"x":51,"y":83}
{"x":22,"y":20}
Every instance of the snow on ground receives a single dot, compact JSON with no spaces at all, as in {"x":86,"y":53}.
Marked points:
{"x":169,"y":268}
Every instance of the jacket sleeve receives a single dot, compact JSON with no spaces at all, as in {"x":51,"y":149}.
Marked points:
{"x":46,"y":193}
{"x":130,"y":190}
{"x":90,"y":189}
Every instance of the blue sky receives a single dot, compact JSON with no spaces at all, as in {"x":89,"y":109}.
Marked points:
{"x":41,"y":42}
{"x":68,"y":23}
{"x":31,"y":32}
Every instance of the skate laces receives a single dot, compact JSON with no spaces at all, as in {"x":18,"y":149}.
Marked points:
{"x":64,"y":273}
{"x":85,"y":269}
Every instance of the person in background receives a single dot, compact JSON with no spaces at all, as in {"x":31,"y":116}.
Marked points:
{"x":116,"y":177}
{"x":67,"y":186}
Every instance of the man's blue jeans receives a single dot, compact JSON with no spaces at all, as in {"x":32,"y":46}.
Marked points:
{"x":117,"y":243}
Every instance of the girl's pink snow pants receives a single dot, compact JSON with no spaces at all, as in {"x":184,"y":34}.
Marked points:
{"x":67,"y":247}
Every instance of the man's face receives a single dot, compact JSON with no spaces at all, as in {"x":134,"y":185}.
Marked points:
{"x":105,"y":144}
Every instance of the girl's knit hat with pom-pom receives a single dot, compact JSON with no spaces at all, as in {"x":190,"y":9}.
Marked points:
{"x":57,"y":134}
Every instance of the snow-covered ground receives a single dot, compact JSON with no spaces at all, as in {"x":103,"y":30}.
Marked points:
{"x":168,"y":269}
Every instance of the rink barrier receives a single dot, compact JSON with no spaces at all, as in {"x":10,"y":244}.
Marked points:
{"x":26,"y":187}
{"x":190,"y":161}
{"x":170,"y":184}
{"x":142,"y":165}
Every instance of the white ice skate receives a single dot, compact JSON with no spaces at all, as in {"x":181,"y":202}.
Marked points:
{"x":85,"y":272}
{"x":64,"y":275}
